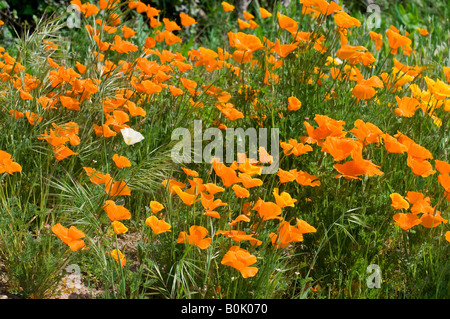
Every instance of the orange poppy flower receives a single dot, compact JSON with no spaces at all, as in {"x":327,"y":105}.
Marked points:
{"x":287,"y":176}
{"x":294,"y":103}
{"x":240,"y":191}
{"x":396,"y":41}
{"x":212,"y":213}
{"x":168,"y":37}
{"x":367,"y":133}
{"x":357,"y":167}
{"x":61,"y":152}
{"x":293,"y":147}
{"x":406,"y":221}
{"x":117,"y":254}
{"x":283,"y":199}
{"x":267,"y":210}
{"x":171,"y":25}
{"x":188,"y":199}
{"x":306,"y":179}
{"x":70,"y":236}
{"x":414,"y":150}
{"x":213,"y":188}
{"x":444,"y":180}
{"x":70,"y":103}
{"x":25,"y":95}
{"x":33,"y":118}
{"x":239,"y":235}
{"x":117,"y":188}
{"x":407,"y":106}
{"x":227,"y":7}
{"x":121,"y":161}
{"x":248,"y":181}
{"x":398,"y":202}
{"x":442,"y":167}
{"x":286,"y":235}
{"x":392,"y":145}
{"x":196,"y":237}
{"x":287,"y":23}
{"x":240,"y":259}
{"x":420,"y":203}
{"x":197,"y":186}
{"x":238,"y":219}
{"x":156,"y":207}
{"x":175,"y":91}
{"x":432,"y":219}
{"x":135,"y":110}
{"x":243,"y":25}
{"x":377,"y":38}
{"x":170,"y":183}
{"x":97,"y":177}
{"x":345,"y":21}
{"x":190,"y":172}
{"x":119,"y":228}
{"x":7,"y":164}
{"x":264,"y":13}
{"x":227,"y":174}
{"x":116,"y":212}
{"x":447,"y":236}
{"x":80,"y":67}
{"x":122,"y":46}
{"x":209,"y":203}
{"x":128,"y":32}
{"x":364,"y":90}
{"x":341,"y":148}
{"x":158,"y":226}
{"x":16,"y":114}
{"x":419,"y":166}
{"x":327,"y":127}
{"x":186,"y":20}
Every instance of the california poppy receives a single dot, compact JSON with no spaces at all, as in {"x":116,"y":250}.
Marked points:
{"x":442,"y":166}
{"x":117,"y":188}
{"x":406,"y":221}
{"x":116,"y":212}
{"x":432,"y":219}
{"x":240,"y":191}
{"x":419,"y":166}
{"x":406,"y":106}
{"x":118,"y":255}
{"x":227,"y":7}
{"x":294,"y":103}
{"x":239,"y":235}
{"x":187,"y":198}
{"x":267,"y":210}
{"x":121,"y":161}
{"x":156,"y":207}
{"x":420,"y":203}
{"x":241,"y":260}
{"x":306,"y":179}
{"x":196,"y":237}
{"x":264,"y":13}
{"x":158,"y":226}
{"x":288,"y":233}
{"x":283,"y":199}
{"x":398,"y":202}
{"x":392,"y":145}
{"x":186,"y":20}
{"x":341,"y":148}
{"x":7,"y":164}
{"x":70,"y":236}
{"x":119,"y":228}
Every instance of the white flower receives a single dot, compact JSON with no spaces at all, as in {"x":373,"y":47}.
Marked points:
{"x":131,"y":136}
